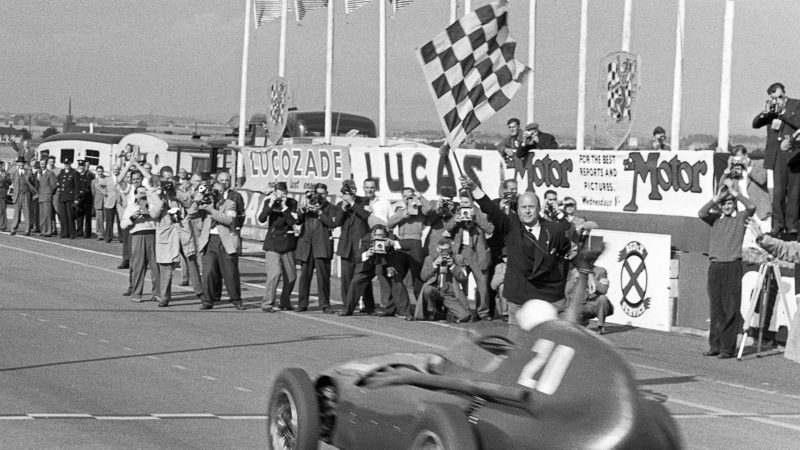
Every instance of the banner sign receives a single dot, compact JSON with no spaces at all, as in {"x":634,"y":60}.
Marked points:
{"x":662,"y":183}
{"x":638,"y":271}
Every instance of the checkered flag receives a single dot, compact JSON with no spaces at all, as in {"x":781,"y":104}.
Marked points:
{"x":620,"y":86}
{"x":471,"y":71}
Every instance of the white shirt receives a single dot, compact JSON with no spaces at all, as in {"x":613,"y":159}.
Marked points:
{"x":535,"y":230}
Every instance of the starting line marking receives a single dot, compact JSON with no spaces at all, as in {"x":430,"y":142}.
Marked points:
{"x":184,"y":416}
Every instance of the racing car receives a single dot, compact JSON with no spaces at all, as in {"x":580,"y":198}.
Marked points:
{"x":553,"y":386}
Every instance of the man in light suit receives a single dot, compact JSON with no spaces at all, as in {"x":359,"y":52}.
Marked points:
{"x":224,"y":179}
{"x":218,"y":245}
{"x":48,"y":182}
{"x":472,"y":250}
{"x":24,"y":189}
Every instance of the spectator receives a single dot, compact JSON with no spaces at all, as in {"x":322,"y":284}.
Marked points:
{"x":111,"y":203}
{"x":315,"y":247}
{"x":512,"y":142}
{"x":379,"y":212}
{"x":587,"y":285}
{"x":725,"y":269}
{"x":782,"y":115}
{"x":139,"y":219}
{"x":552,"y":212}
{"x":535,"y":251}
{"x":5,"y":183}
{"x":508,"y":204}
{"x":441,"y":293}
{"x":99,"y":190}
{"x":374,"y":249}
{"x":472,"y":251}
{"x":441,"y":218}
{"x":48,"y":183}
{"x":218,"y":245}
{"x":175,"y":238}
{"x":354,"y":226}
{"x":84,"y":202}
{"x":36,"y":174}
{"x":224,"y":178}
{"x":535,"y":140}
{"x":24,"y":187}
{"x":410,"y":220}
{"x":751,"y":180}
{"x":659,"y":141}
{"x":280,"y":214}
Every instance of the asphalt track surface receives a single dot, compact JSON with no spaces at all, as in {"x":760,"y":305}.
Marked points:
{"x":83,"y":367}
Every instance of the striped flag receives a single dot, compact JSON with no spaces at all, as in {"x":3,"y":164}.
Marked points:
{"x":471,"y":71}
{"x":352,"y":5}
{"x":397,"y":5}
{"x":266,"y":10}
{"x":303,"y":7}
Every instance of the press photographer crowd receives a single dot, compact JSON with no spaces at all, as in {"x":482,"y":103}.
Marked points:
{"x":422,"y":252}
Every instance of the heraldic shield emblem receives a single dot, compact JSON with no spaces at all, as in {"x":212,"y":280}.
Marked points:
{"x":633,"y":279}
{"x":278,"y":109}
{"x":619,"y":89}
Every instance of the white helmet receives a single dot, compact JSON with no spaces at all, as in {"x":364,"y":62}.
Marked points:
{"x":535,"y":312}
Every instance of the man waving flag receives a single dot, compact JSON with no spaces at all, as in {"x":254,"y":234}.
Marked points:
{"x":471,"y":71}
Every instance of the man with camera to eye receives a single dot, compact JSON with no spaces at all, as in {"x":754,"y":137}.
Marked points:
{"x":536,"y":249}
{"x":280,"y":214}
{"x":354,"y":226}
{"x":469,"y":244}
{"x":782,"y":117}
{"x":441,"y":218}
{"x":218,"y":245}
{"x":443,"y":274}
{"x":551,"y":211}
{"x":374,"y":250}
{"x":138,"y":218}
{"x":318,"y":218}
{"x":659,"y":141}
{"x":725,"y":268}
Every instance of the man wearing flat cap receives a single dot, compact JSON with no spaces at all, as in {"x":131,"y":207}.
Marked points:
{"x":535,"y":139}
{"x":24,"y":188}
{"x":68,"y":185}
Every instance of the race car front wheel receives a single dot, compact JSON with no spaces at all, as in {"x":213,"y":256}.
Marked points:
{"x":293,"y":413}
{"x":444,"y":427}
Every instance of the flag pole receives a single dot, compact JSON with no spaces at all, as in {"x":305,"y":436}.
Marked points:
{"x":725,"y":85}
{"x":243,"y":88}
{"x":282,"y":44}
{"x":531,"y":57}
{"x":579,"y":139}
{"x":467,"y":7}
{"x":626,"y":26}
{"x":329,"y":74}
{"x":677,"y":83}
{"x":382,"y":74}
{"x":453,"y":11}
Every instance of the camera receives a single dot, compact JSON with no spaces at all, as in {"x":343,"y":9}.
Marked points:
{"x":380,"y":246}
{"x":167,"y":187}
{"x":205,"y":195}
{"x":175,"y":215}
{"x":413,"y":205}
{"x":347,"y":190}
{"x":737,"y":167}
{"x":511,"y":198}
{"x":277,"y":204}
{"x":773,"y":106}
{"x":446,"y":256}
{"x":315,"y":198}
{"x":446,"y":207}
{"x":465,"y":214}
{"x":551,"y":211}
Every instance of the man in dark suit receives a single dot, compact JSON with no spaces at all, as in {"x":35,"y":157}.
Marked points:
{"x":48,"y":182}
{"x":782,"y":116}
{"x":84,"y":203}
{"x":354,"y":226}
{"x":36,"y":174}
{"x":369,"y":262}
{"x":280,"y":214}
{"x":5,"y":183}
{"x":315,"y":247}
{"x":472,"y":250}
{"x":535,"y":251}
{"x":68,"y":185}
{"x":24,"y":188}
{"x":535,"y":139}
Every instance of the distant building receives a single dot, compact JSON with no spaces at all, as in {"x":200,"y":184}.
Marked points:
{"x":11,"y":134}
{"x":70,"y":126}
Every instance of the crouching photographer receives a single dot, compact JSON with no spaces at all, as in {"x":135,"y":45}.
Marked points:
{"x":175,"y":240}
{"x":138,"y":218}
{"x":375,"y":249}
{"x":441,"y":294}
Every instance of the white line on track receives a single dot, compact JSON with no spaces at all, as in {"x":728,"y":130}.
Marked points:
{"x":181,"y":416}
{"x":208,"y":378}
{"x":750,"y":416}
{"x":179,"y":367}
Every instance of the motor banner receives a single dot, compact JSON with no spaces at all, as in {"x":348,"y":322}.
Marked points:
{"x":638,"y":271}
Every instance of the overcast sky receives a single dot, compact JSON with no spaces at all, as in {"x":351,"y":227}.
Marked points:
{"x":183,"y":57}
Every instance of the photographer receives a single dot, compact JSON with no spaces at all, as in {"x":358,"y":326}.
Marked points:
{"x":138,"y":218}
{"x":659,"y":141}
{"x":508,"y":148}
{"x":410,"y":220}
{"x":441,"y":218}
{"x":552,"y":211}
{"x":315,"y":245}
{"x":750,"y":179}
{"x":374,"y":250}
{"x":469,"y":244}
{"x":535,"y":139}
{"x":587,"y":286}
{"x":782,"y":117}
{"x":175,"y":239}
{"x":218,"y":245}
{"x":725,"y":268}
{"x":535,"y":251}
{"x":354,"y":226}
{"x":280,"y":214}
{"x":443,"y":274}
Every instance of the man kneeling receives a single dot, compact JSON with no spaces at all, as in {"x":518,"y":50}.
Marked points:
{"x":441,"y":291}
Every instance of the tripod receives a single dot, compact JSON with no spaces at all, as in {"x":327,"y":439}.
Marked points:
{"x":767,"y":272}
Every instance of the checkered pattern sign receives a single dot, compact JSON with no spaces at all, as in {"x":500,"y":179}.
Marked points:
{"x":620,"y":88}
{"x":471,"y":71}
{"x":278,"y":97}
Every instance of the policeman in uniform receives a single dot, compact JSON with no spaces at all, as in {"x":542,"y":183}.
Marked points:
{"x":68,"y":185}
{"x":84,"y":204}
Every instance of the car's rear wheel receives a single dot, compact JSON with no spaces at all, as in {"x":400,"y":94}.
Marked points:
{"x":444,"y":427}
{"x":293,"y":413}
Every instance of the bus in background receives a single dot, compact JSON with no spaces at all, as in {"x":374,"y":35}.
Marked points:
{"x":192,"y":153}
{"x":97,"y":149}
